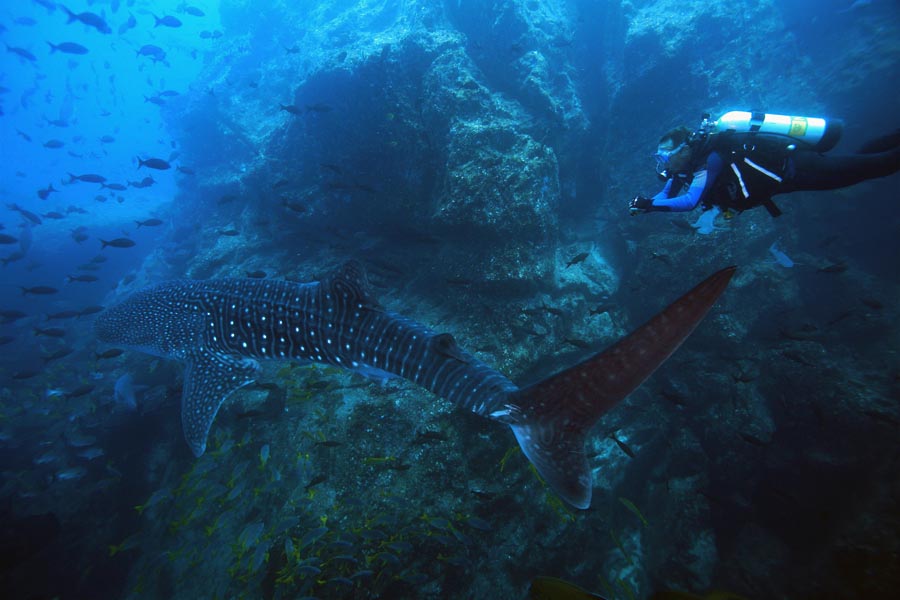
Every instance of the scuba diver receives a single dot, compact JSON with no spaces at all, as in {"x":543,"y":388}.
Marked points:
{"x":743,"y":159}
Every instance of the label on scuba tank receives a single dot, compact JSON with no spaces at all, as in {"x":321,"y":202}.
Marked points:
{"x":799,"y":125}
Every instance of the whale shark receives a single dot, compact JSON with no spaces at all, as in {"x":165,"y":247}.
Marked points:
{"x":221,"y":328}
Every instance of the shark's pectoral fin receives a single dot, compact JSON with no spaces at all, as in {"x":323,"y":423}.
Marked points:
{"x":210,"y":377}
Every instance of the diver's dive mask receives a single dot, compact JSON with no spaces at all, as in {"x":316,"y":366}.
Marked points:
{"x":662,"y":157}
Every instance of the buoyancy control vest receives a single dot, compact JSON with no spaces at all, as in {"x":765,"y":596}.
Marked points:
{"x":755,"y":149}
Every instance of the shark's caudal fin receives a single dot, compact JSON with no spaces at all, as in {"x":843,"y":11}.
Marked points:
{"x":552,"y":417}
{"x":210,"y":377}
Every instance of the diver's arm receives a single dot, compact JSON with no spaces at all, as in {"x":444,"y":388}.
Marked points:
{"x":683,"y":202}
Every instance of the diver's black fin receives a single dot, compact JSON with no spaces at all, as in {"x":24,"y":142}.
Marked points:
{"x":881,"y":144}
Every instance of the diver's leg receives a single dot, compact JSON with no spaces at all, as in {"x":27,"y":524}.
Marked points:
{"x":813,"y":171}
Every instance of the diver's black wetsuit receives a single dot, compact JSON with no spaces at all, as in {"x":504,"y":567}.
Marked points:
{"x":813,"y":171}
{"x":738,"y":171}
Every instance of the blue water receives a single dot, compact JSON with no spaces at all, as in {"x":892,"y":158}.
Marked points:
{"x":477,"y":159}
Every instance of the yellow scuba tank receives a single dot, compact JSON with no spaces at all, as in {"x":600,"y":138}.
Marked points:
{"x":819,"y":133}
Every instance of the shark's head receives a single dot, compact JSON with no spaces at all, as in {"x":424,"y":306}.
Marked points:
{"x":159,"y":321}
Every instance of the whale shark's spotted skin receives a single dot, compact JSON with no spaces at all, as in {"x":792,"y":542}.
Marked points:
{"x":219,"y":328}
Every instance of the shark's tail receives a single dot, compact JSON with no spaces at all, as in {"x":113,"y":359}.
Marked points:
{"x":552,"y":417}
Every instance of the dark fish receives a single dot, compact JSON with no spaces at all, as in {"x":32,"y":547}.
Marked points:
{"x":682,"y":224}
{"x":21,"y":52}
{"x":430,"y":437}
{"x":42,"y":290}
{"x":114,"y":186}
{"x":66,"y":314}
{"x":154,"y":52}
{"x":143,"y":183}
{"x":56,"y":355}
{"x":6,"y":339}
{"x":26,"y":374}
{"x":25,"y":213}
{"x":117,"y":243}
{"x":297,"y":207}
{"x":229,"y":232}
{"x":81,"y":390}
{"x":256,"y":274}
{"x":839,"y":267}
{"x":186,"y":170}
{"x":155,"y":100}
{"x":577,"y":343}
{"x":54,"y":332}
{"x":54,"y":144}
{"x":111,"y":353}
{"x":153,"y":163}
{"x":79,"y":236}
{"x":24,"y":135}
{"x":315,"y":481}
{"x":218,"y":327}
{"x":752,"y":439}
{"x":129,"y":24}
{"x":107,"y":139}
{"x":293,"y":50}
{"x":90,"y":310}
{"x":53,"y":215}
{"x":88,"y":178}
{"x":8,"y":239}
{"x":546,"y":588}
{"x":600,"y":309}
{"x":319,"y":107}
{"x":44,"y":193}
{"x":17,"y":255}
{"x":798,"y":358}
{"x":68,"y":48}
{"x":149,"y":223}
{"x":83,"y":278}
{"x":291,"y":108}
{"x":340,"y":185}
{"x":167,"y":21}
{"x":89,"y":19}
{"x":192,"y":10}
{"x":328,"y":444}
{"x":552,"y":310}
{"x":11,"y":316}
{"x":280,"y":183}
{"x":336,"y":169}
{"x":872,"y":303}
{"x":622,"y":446}
{"x":577,"y":259}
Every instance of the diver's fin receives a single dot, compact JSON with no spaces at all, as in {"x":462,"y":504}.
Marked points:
{"x":881,"y":144}
{"x":210,"y":377}
{"x":552,"y":417}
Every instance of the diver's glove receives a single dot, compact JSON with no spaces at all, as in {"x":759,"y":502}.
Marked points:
{"x":640,"y":204}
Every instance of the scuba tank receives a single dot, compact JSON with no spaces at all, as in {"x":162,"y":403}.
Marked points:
{"x":819,"y":134}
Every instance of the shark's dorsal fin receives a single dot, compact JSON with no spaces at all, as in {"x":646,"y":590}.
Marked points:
{"x":210,"y":377}
{"x":349,"y":285}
